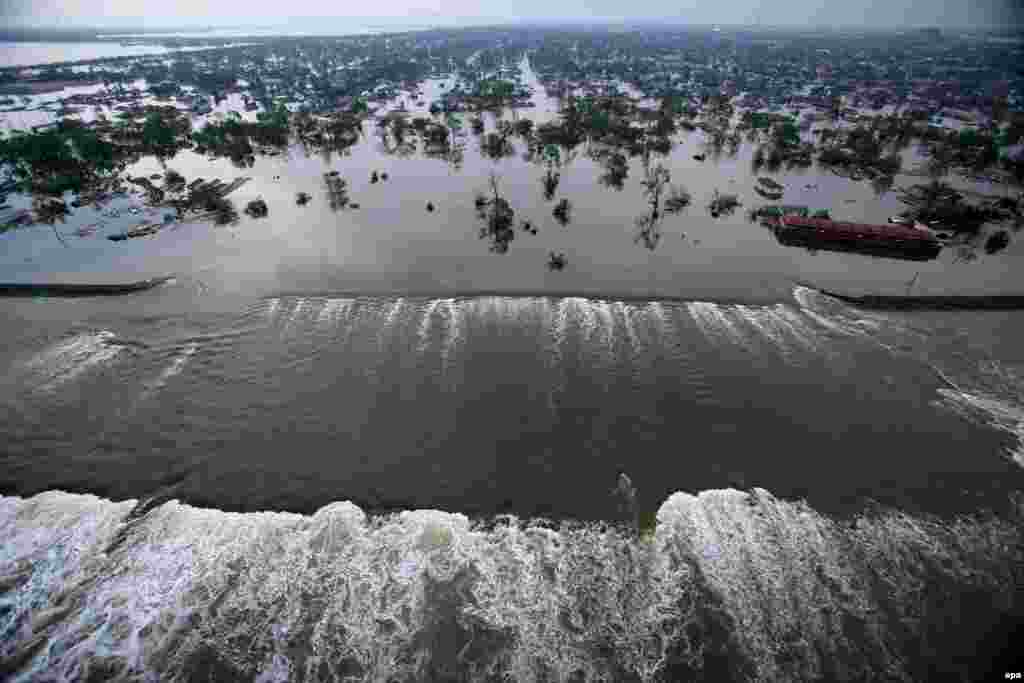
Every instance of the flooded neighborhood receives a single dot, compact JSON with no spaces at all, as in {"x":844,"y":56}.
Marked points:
{"x":519,"y":350}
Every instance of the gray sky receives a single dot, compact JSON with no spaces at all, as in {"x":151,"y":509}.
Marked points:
{"x":326,"y":14}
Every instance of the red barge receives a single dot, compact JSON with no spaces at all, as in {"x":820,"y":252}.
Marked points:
{"x":895,"y":241}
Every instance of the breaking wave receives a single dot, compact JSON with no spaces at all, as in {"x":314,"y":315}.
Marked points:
{"x":729,"y":585}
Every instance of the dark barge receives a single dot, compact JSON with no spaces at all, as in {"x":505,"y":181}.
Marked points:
{"x":890,"y":241}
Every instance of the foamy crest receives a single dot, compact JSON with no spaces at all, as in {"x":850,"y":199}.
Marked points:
{"x":833,"y":315}
{"x":273,"y":308}
{"x":390,"y":320}
{"x":426,"y":324}
{"x":724,"y":584}
{"x":297,"y":311}
{"x":656,"y":312}
{"x":561,"y":324}
{"x":767,"y":326}
{"x":627,"y":313}
{"x":334,"y":310}
{"x":796,"y":326}
{"x":582,"y":313}
{"x":454,"y":325}
{"x":715,"y":324}
{"x":998,"y":413}
{"x":605,"y":323}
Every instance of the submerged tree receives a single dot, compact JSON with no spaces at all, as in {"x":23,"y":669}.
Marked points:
{"x":996,"y":242}
{"x":556,"y":261}
{"x":497,"y":216}
{"x":882,"y":184}
{"x":174,"y":182}
{"x":70,"y":157}
{"x":678,"y":199}
{"x":562,"y":212}
{"x":224,"y":211}
{"x":655,"y":181}
{"x":550,"y":181}
{"x":497,"y":145}
{"x":616,"y":170}
{"x":337,"y":190}
{"x":257,"y":208}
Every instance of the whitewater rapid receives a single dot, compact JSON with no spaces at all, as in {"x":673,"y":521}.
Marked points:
{"x":729,"y":585}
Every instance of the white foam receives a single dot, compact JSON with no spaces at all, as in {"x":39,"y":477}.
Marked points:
{"x":715,"y":324}
{"x":561,"y":324}
{"x":657,"y":312}
{"x":996,"y":412}
{"x":393,"y":312}
{"x":805,"y":296}
{"x":300,"y":306}
{"x":767,"y":325}
{"x":626,"y":313}
{"x":335,"y":309}
{"x":838,"y":327}
{"x":497,"y":309}
{"x":605,"y":327}
{"x":273,"y":306}
{"x":67,"y":360}
{"x":795,"y":325}
{"x":833,"y":315}
{"x":454,"y":326}
{"x":426,"y":323}
{"x":585,"y":317}
{"x":389,"y":322}
{"x":279,"y":596}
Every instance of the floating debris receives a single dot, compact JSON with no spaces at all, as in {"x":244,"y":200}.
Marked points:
{"x":257,"y":208}
{"x":141,"y":231}
{"x":723,"y":204}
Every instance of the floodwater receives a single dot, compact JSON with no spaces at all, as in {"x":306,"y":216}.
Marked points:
{"x":385,"y":356}
{"x":392,"y":244}
{"x":38,"y":53}
{"x":313,"y":331}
